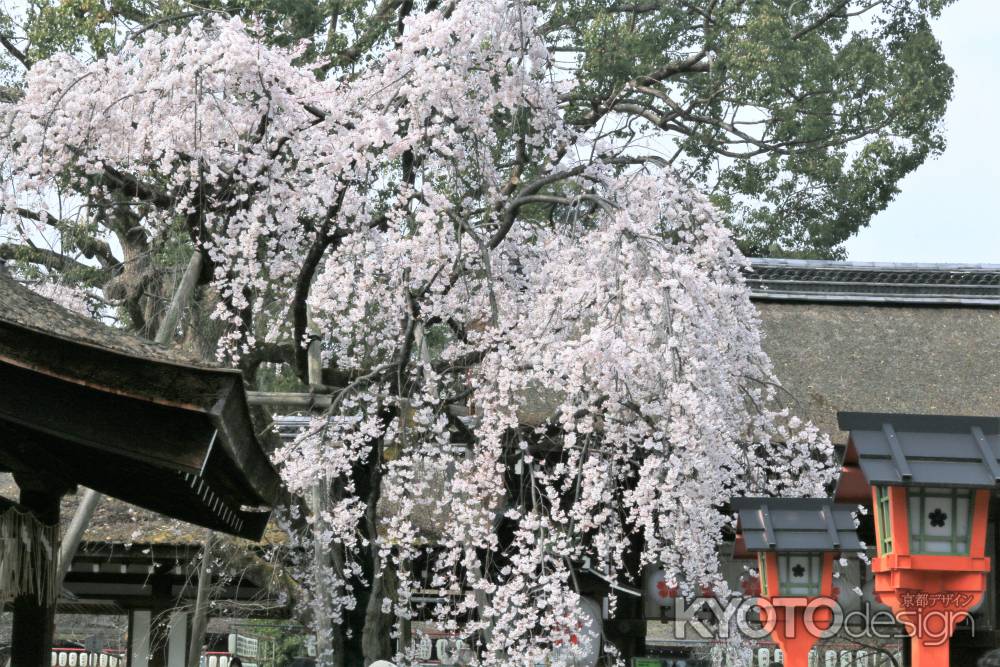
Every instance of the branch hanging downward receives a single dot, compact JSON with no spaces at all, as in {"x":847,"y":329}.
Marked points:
{"x":321,"y":243}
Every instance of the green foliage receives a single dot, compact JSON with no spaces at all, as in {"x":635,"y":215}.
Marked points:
{"x":799,"y":119}
{"x":286,"y":640}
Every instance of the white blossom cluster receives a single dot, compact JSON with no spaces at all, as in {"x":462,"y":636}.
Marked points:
{"x":69,"y":297}
{"x":584,"y":307}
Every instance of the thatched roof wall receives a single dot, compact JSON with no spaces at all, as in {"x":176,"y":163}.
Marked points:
{"x":30,"y":310}
{"x":923,"y":359}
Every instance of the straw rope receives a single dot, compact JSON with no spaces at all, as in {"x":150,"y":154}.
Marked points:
{"x":28,"y":556}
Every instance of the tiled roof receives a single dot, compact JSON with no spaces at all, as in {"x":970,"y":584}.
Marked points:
{"x":874,"y":282}
{"x":128,"y":418}
{"x":26,"y":309}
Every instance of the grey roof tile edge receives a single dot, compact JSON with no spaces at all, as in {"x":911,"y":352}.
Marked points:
{"x":828,"y":281}
{"x":907,"y":422}
{"x":881,"y":266}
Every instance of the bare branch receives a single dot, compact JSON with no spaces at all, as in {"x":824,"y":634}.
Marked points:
{"x":17,"y":53}
{"x":378,"y":23}
{"x":831,"y":13}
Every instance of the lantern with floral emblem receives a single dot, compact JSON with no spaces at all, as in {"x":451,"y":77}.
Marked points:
{"x":795,"y":541}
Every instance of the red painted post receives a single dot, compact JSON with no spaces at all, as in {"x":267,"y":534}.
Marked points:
{"x":930,"y":594}
{"x":798,"y":622}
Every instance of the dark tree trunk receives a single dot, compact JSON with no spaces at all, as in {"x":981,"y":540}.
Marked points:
{"x":376,"y":641}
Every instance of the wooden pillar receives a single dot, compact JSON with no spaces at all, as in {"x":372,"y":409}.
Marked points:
{"x":322,"y":557}
{"x":199,"y":621}
{"x":34,"y":620}
{"x":163,"y":604}
{"x":627,"y":630}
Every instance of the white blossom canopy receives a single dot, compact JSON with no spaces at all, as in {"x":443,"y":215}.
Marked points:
{"x":448,"y":266}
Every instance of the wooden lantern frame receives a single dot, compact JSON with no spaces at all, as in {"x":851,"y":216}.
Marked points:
{"x":930,"y":582}
{"x":780,"y":531}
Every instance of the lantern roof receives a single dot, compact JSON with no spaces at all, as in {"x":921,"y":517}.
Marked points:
{"x":924,"y":450}
{"x":795,"y":525}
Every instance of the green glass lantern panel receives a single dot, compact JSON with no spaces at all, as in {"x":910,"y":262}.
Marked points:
{"x":882,"y":516}
{"x":800,"y":574}
{"x":940,"y":519}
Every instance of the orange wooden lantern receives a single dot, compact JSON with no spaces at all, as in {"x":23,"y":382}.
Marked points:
{"x":795,"y":540}
{"x":931,"y":480}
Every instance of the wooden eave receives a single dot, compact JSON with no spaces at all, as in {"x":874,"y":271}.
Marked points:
{"x":156,"y":431}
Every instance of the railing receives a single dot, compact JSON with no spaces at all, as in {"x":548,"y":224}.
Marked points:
{"x":78,"y":657}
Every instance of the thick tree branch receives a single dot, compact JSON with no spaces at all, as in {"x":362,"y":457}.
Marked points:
{"x":271,"y":353}
{"x":50,"y":259}
{"x":324,"y":239}
{"x":532,"y":188}
{"x":462,"y":363}
{"x":17,"y":53}
{"x":133,"y":187}
{"x":90,"y":247}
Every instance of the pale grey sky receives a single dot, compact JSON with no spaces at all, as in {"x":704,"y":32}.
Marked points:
{"x":948,"y":210}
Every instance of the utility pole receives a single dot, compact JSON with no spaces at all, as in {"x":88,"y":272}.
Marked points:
{"x":199,"y":620}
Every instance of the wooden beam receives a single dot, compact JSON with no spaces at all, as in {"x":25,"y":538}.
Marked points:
{"x":304,"y":401}
{"x":81,"y":519}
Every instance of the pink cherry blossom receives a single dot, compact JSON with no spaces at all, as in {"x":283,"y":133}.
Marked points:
{"x":584,"y":307}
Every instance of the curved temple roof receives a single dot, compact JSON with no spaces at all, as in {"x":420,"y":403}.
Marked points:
{"x":126,"y":417}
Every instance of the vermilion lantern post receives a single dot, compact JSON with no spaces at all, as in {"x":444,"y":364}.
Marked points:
{"x":931,"y":480}
{"x":795,"y":540}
